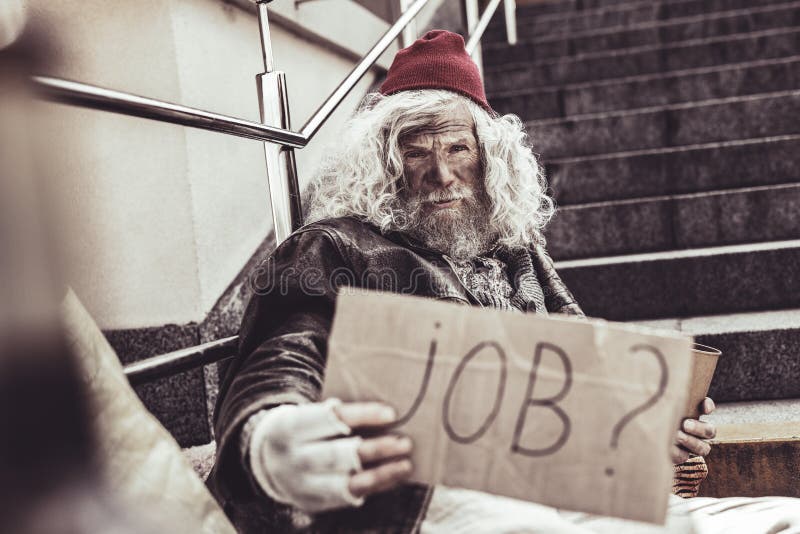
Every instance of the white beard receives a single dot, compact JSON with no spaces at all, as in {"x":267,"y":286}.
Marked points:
{"x":460,"y":232}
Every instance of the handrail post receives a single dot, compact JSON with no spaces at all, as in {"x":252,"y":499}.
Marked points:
{"x":273,"y":103}
{"x":409,"y":34}
{"x":473,"y":17}
{"x":510,"y":8}
{"x":477,"y":25}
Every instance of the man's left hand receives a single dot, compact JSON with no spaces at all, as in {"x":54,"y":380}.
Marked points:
{"x":689,"y":439}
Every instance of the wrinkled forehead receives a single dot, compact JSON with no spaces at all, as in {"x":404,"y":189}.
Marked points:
{"x":455,"y":123}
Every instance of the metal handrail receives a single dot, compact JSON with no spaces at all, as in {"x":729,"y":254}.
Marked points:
{"x":181,"y":360}
{"x":476,"y":34}
{"x":94,"y":97}
{"x":100,"y":98}
{"x":312,"y":125}
{"x":91,"y":96}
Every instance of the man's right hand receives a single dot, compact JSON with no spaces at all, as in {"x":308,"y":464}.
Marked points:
{"x":303,"y":455}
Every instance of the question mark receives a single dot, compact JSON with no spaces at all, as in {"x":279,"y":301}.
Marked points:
{"x":628,"y":417}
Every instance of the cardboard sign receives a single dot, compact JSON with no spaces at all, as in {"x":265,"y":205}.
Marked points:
{"x":560,"y":411}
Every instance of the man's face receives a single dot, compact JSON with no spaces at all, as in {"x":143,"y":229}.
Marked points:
{"x":444,"y":198}
{"x":441,"y":164}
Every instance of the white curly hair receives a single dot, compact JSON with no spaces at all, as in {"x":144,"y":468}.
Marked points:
{"x":363,"y":172}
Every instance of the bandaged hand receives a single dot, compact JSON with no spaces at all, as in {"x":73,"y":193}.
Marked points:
{"x":306,"y":456}
{"x":690,"y":438}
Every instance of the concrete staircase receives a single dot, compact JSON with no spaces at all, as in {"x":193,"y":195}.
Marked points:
{"x":671,"y":135}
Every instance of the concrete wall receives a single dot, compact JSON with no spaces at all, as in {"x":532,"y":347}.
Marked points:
{"x":159,"y":219}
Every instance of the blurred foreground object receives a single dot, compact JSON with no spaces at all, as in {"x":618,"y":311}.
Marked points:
{"x":49,"y":480}
{"x":12,"y":21}
{"x":57,"y":475}
{"x":143,"y":463}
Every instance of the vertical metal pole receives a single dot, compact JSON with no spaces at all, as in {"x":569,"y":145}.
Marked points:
{"x":473,"y":16}
{"x":510,"y":8}
{"x":273,"y":101}
{"x":409,"y":34}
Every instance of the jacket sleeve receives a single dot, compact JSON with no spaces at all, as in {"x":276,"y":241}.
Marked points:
{"x":283,"y":337}
{"x":557,"y":298}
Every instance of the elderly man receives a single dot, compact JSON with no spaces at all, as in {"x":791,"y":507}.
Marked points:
{"x":427,"y":192}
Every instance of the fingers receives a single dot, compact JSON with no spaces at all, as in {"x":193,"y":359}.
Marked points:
{"x":383,"y":448}
{"x":347,"y":455}
{"x":312,"y":422}
{"x":693,"y":444}
{"x":679,"y":455}
{"x":701,"y":429}
{"x":689,"y":442}
{"x":305,"y":455}
{"x":381,"y":478}
{"x":328,"y":463}
{"x":707,"y":406}
{"x":365,"y":414}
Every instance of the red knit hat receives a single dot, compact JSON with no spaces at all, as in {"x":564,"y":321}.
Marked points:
{"x":438,"y":60}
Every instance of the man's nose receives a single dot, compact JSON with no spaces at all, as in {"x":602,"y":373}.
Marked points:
{"x":440,"y":173}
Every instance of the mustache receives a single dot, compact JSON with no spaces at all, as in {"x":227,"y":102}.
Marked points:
{"x":446,"y":195}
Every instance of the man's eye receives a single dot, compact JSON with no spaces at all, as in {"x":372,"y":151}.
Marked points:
{"x":415,"y":154}
{"x":458,"y":148}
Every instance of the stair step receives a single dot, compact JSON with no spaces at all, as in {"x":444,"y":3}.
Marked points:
{"x":761,"y":467}
{"x":688,"y":169}
{"x":706,"y":83}
{"x":609,"y":64}
{"x":531,"y":47}
{"x":714,"y":280}
{"x":768,"y":213}
{"x":547,"y":6}
{"x":755,"y":455}
{"x":664,"y":126}
{"x":743,"y":372}
{"x":748,"y":420}
{"x":562,"y":7}
{"x":568,"y":20}
{"x":561,"y":23}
